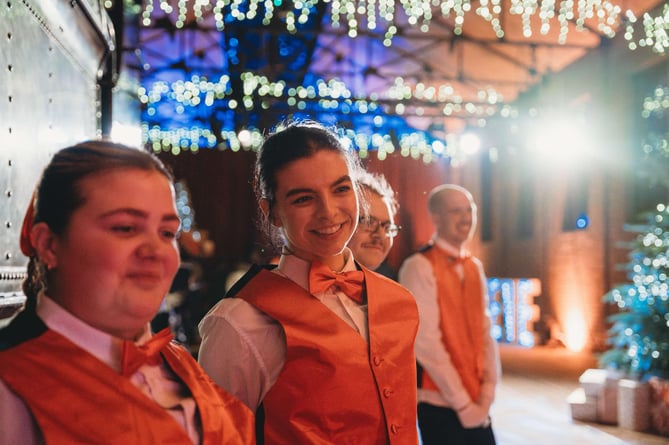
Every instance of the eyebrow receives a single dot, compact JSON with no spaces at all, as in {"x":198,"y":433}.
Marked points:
{"x":297,"y":191}
{"x":382,"y":221}
{"x":140,"y":214}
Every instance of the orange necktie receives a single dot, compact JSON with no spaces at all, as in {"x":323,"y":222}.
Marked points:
{"x":133,"y":356}
{"x":321,"y":278}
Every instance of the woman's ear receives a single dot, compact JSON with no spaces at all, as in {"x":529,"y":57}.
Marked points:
{"x":45,"y":243}
{"x":267,"y":211}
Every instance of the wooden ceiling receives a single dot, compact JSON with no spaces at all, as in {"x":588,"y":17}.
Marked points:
{"x":472,"y":63}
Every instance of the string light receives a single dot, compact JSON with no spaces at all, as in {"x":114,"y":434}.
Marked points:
{"x":333,"y":95}
{"x":330,"y":94}
{"x":654,"y":108}
{"x":384,"y":15}
{"x":654,"y":33}
{"x":400,"y":99}
{"x":639,"y":333}
{"x":640,"y":329}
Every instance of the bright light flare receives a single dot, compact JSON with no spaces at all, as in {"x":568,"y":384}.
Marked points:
{"x":561,"y":140}
{"x":244,"y":137}
{"x":575,"y":335}
{"x":126,"y":134}
{"x":470,"y":143}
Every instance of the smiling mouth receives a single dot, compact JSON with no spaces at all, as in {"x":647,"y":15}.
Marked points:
{"x":328,"y":230}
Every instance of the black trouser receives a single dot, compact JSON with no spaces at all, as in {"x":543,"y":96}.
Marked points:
{"x":441,"y":426}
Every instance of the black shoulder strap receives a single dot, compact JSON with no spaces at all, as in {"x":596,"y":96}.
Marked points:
{"x":25,"y":326}
{"x":260,"y":425}
{"x":419,"y":374}
{"x":252,"y":272}
{"x":234,"y":290}
{"x":426,"y":247}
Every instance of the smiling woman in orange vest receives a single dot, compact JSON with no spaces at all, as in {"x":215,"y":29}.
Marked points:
{"x":79,"y":364}
{"x":320,"y":346}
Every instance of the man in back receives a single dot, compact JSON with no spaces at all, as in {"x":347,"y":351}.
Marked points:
{"x":373,"y":238}
{"x":458,"y":359}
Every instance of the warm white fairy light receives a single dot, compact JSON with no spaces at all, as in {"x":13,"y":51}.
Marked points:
{"x":654,"y":33}
{"x":402,"y":97}
{"x":331,"y":94}
{"x":259,"y":92}
{"x":374,"y":15}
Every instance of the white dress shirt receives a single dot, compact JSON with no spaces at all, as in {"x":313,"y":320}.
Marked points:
{"x":157,"y":382}
{"x":417,"y":275}
{"x":243,"y":350}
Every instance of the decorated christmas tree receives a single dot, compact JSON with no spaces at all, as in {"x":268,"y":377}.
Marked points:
{"x":639,"y":334}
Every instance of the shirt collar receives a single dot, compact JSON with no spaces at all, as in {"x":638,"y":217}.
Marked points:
{"x":297,"y":269}
{"x":103,"y":346}
{"x":448,"y":247}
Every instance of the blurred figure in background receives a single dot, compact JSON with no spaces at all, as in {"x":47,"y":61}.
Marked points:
{"x":376,"y":230}
{"x":457,"y":357}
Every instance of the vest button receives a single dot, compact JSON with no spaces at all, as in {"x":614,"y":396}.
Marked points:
{"x":377,"y":360}
{"x":394,"y":428}
{"x":387,"y":392}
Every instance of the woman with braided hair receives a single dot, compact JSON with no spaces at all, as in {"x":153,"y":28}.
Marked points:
{"x":79,"y":363}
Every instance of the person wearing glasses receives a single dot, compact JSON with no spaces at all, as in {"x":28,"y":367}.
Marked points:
{"x":376,"y":230}
{"x":457,"y":357}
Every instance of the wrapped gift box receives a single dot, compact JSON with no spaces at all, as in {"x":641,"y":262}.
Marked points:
{"x":659,"y":405}
{"x":593,"y":381}
{"x":633,"y":405}
{"x":607,"y":402}
{"x":601,"y":386}
{"x":582,"y":407}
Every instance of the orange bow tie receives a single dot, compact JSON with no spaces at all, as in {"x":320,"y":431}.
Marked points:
{"x":133,"y":356}
{"x":321,"y":278}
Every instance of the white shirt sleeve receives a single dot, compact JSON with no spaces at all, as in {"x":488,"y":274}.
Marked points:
{"x":242,"y":350}
{"x":416,"y":275}
{"x":492,"y":366}
{"x":16,"y":422}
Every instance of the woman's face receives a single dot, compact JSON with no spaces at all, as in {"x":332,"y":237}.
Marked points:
{"x":118,"y":256}
{"x":371,"y":248}
{"x":316,"y":206}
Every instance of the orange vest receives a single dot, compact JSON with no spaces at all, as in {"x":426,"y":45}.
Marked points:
{"x":335,"y":388}
{"x":461,"y":318}
{"x":75,"y":398}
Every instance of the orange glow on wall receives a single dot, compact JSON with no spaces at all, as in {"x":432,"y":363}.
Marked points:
{"x":575,"y":331}
{"x":576,"y":307}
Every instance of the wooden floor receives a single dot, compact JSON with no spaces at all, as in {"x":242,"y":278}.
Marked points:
{"x":531,"y":405}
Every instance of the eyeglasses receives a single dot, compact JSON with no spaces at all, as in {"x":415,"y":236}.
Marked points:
{"x":371,"y":224}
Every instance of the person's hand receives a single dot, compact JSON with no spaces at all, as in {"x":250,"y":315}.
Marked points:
{"x":485,"y":402}
{"x":473,"y":416}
